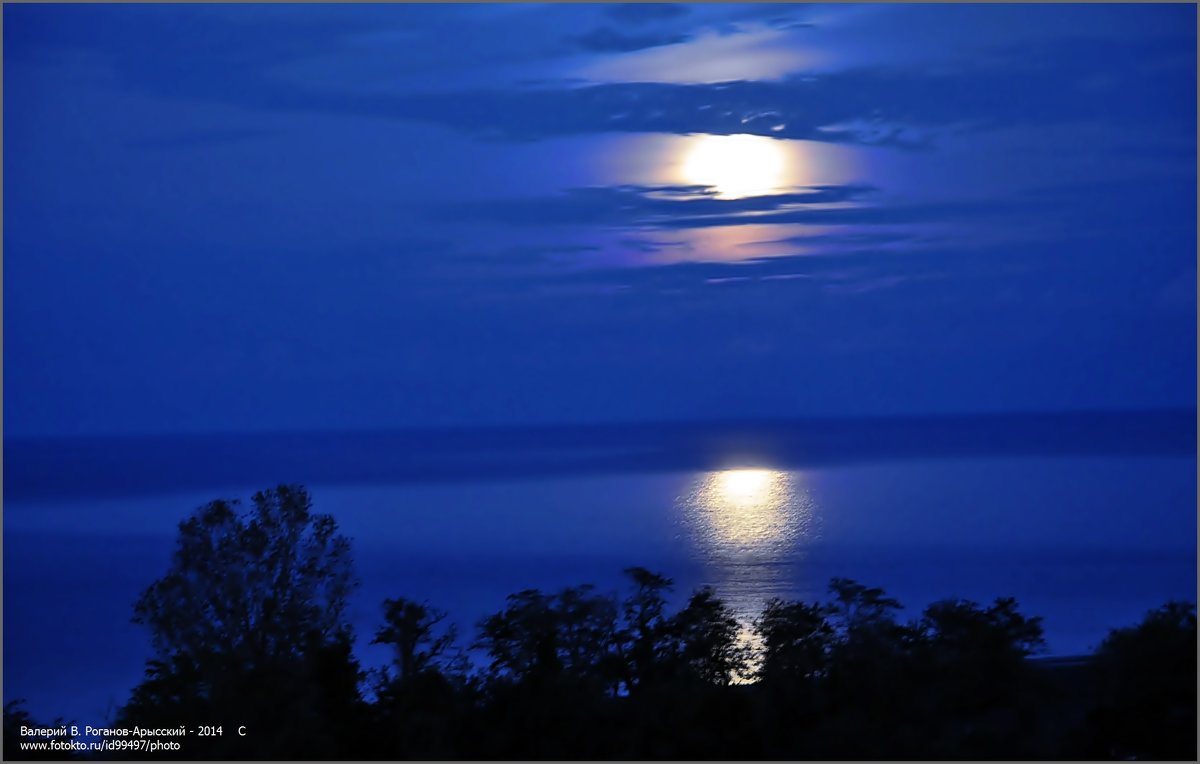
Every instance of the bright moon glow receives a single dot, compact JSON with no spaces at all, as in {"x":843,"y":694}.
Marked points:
{"x":748,"y":512}
{"x":735,"y":166}
{"x":741,"y":486}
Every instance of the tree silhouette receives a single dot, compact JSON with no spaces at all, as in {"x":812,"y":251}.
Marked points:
{"x":248,"y":628}
{"x":646,"y":641}
{"x":796,"y":640}
{"x":251,"y":589}
{"x":540,"y":636}
{"x":419,"y":707}
{"x":857,"y":608}
{"x":960,"y":629}
{"x":976,"y":685}
{"x":1146,"y":688}
{"x":550,"y":678}
{"x":522,"y":639}
{"x":411,"y":628}
{"x":709,"y":647}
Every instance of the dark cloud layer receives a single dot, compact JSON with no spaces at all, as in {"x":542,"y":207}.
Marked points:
{"x":675,"y":207}
{"x":651,"y":206}
{"x":609,"y":40}
{"x":871,"y":107}
{"x":645,"y":13}
{"x":1069,"y":80}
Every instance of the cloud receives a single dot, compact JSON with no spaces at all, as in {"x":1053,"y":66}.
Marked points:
{"x":646,"y":206}
{"x":844,"y":275}
{"x":834,"y":109}
{"x":866,"y":286}
{"x":897,"y":107}
{"x":786,"y":23}
{"x":645,"y":13}
{"x":650,"y":263}
{"x":244,"y":63}
{"x":608,"y":40}
{"x":691,"y":207}
{"x":652,"y":246}
{"x":856,"y":238}
{"x":775,"y":15}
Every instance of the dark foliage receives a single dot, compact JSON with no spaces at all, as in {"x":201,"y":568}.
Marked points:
{"x":248,"y":629}
{"x":1145,"y":687}
{"x":421,"y":647}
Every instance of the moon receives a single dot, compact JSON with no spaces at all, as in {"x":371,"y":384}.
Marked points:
{"x":735,"y":166}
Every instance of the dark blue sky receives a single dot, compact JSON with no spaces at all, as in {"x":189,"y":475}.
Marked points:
{"x":222,"y":218}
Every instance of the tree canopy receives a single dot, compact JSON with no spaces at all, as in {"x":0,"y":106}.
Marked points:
{"x":248,"y":625}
